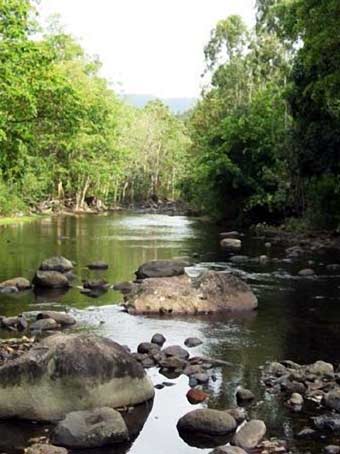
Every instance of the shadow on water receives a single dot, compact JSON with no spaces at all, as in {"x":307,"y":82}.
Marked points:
{"x":297,"y":319}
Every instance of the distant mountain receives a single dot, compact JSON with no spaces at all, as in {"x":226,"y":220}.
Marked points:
{"x":176,"y":105}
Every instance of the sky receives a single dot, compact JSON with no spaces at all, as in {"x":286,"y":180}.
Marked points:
{"x":147,"y":46}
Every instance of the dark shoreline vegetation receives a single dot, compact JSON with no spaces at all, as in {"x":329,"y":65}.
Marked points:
{"x":261,"y":145}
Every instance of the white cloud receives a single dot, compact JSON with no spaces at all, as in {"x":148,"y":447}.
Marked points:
{"x":148,"y":46}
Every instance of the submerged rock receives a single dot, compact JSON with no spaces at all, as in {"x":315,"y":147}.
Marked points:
{"x":161,"y":268}
{"x":60,"y":264}
{"x":91,"y":429}
{"x":67,"y":373}
{"x":217,"y":292}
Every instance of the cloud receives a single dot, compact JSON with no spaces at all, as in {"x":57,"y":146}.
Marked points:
{"x":148,"y":46}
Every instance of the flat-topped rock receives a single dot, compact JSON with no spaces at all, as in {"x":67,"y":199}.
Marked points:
{"x":62,"y":318}
{"x":161,"y":268}
{"x":66,"y":373}
{"x":91,"y":429}
{"x":59,"y":263}
{"x":17,"y":284}
{"x":216,"y":292}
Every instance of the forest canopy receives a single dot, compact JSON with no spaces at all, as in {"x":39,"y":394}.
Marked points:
{"x":262,"y":143}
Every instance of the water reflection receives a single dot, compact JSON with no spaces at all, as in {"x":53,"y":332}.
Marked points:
{"x":298,"y":318}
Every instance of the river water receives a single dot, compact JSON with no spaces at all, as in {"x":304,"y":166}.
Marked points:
{"x":298,"y":318}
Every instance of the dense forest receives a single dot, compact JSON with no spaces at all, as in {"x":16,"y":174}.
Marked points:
{"x":262,"y":143}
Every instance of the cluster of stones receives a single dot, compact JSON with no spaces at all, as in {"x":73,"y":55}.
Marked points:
{"x":84,"y":379}
{"x":228,"y":431}
{"x":232,"y":244}
{"x":57,"y":273}
{"x":175,"y":360}
{"x":44,"y":322}
{"x":318,"y":383}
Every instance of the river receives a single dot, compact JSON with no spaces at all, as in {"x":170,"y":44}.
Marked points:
{"x":297,"y":319}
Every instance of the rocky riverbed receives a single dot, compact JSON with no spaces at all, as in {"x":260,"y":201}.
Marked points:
{"x":209,"y":361}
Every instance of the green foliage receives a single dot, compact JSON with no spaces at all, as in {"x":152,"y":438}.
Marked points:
{"x":239,"y":127}
{"x":64,"y":134}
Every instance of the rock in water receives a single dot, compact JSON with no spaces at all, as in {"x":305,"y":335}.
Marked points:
{"x":50,"y":279}
{"x":192,"y":342}
{"x":332,"y":400}
{"x":250,"y":435}
{"x":20,"y":283}
{"x":231,"y":244}
{"x":60,"y":264}
{"x":206,"y":421}
{"x":40,"y":448}
{"x":66,"y":373}
{"x":196,"y":396}
{"x":161,"y":268}
{"x":61,"y":318}
{"x":45,"y":324}
{"x":228,"y":450}
{"x":98,"y":266}
{"x":217,"y":292}
{"x":158,"y":339}
{"x":91,"y":429}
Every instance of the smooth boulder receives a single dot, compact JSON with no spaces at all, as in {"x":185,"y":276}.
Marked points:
{"x":50,"y":279}
{"x":250,"y":435}
{"x":215,"y":292}
{"x":18,"y":283}
{"x":58,"y":263}
{"x":209,"y":422}
{"x":65,"y":373}
{"x":91,"y":429}
{"x":161,"y":268}
{"x":62,"y":318}
{"x":231,"y":244}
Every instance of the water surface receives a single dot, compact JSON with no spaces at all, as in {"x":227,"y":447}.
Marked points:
{"x":298,"y":318}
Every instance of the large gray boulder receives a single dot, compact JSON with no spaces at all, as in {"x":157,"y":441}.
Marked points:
{"x":91,"y":429}
{"x":66,"y":373}
{"x":215,"y":292}
{"x":60,"y":264}
{"x":161,"y":268}
{"x":50,"y":279}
